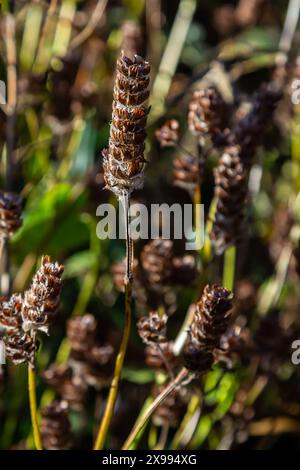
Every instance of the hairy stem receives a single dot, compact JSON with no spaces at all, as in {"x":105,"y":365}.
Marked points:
{"x":33,"y":407}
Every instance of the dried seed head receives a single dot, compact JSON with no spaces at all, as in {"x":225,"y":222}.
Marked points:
{"x":10,"y":213}
{"x":99,"y":364}
{"x":55,"y":427}
{"x":41,"y":301}
{"x":230,"y":192}
{"x":209,"y":324}
{"x":152,"y":329}
{"x":20,"y":346}
{"x":156,"y":261}
{"x":70,"y":388}
{"x":248,"y":131}
{"x":10,"y":312}
{"x":132,"y":38}
{"x":81,"y":333}
{"x":124,"y":163}
{"x":168,"y":134}
{"x":89,"y":359}
{"x":187,"y":172}
{"x":205,"y":112}
{"x":171,"y":409}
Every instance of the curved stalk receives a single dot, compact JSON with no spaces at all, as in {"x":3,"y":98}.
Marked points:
{"x":142,"y":421}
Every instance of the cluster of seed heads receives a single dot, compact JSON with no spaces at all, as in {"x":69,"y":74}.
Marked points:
{"x":22,"y":315}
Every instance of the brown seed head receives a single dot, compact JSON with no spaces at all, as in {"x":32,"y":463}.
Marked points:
{"x":209,"y":324}
{"x":70,"y":387}
{"x":10,"y":312}
{"x":205,"y":112}
{"x":123,"y":163}
{"x":41,"y":301}
{"x":20,"y":346}
{"x":55,"y":427}
{"x":152,"y":329}
{"x":230,"y":193}
{"x":157,"y":262}
{"x":249,"y":131}
{"x":187,"y":172}
{"x":168,"y":134}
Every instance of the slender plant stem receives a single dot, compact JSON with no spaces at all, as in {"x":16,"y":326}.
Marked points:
{"x":88,"y":30}
{"x":143,"y":419}
{"x":229,"y":267}
{"x":11,"y":55}
{"x":290,"y":25}
{"x":113,"y":392}
{"x":33,"y":407}
{"x":193,"y":411}
{"x":171,"y":56}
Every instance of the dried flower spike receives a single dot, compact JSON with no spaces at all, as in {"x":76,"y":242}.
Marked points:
{"x":205,"y":112}
{"x":81,"y":332}
{"x":55,"y":427}
{"x":124,"y":162}
{"x":70,"y":388}
{"x":41,"y":301}
{"x":20,"y":346}
{"x":168,"y":134}
{"x":10,"y":213}
{"x":249,"y":131}
{"x":152,"y":329}
{"x":230,"y":192}
{"x":10,"y":312}
{"x":89,"y":359}
{"x":187,"y":172}
{"x":209,"y":324}
{"x":157,"y":262}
